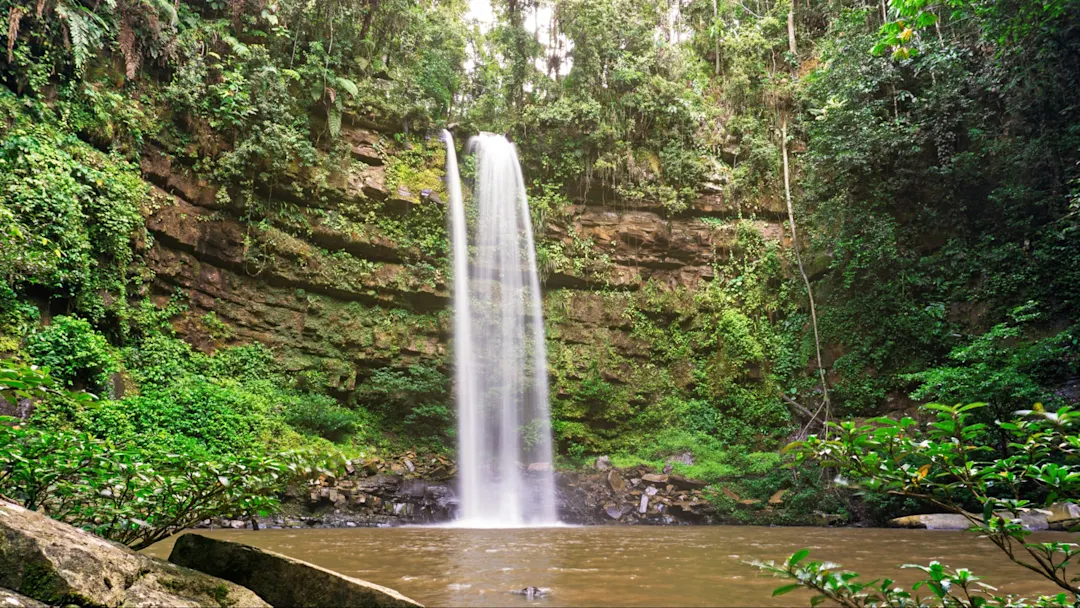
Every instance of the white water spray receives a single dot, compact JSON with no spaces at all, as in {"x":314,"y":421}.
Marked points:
{"x":504,"y":431}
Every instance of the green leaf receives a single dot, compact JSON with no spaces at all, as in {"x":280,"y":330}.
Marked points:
{"x":333,"y":121}
{"x":785,"y":589}
{"x":349,"y":86}
{"x":798,"y":556}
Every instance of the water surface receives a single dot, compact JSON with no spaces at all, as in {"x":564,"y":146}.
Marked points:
{"x":621,"y":566}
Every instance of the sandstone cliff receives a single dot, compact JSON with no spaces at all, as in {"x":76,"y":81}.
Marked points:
{"x":352,"y":275}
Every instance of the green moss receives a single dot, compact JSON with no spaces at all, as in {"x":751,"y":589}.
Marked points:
{"x":205,"y":587}
{"x":417,"y":168}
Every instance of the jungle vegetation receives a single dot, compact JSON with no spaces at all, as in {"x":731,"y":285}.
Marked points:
{"x":933,"y":161}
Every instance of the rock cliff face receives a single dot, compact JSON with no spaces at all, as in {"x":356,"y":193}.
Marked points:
{"x":352,"y":275}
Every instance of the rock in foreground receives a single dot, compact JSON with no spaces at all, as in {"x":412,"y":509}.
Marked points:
{"x":278,"y":579}
{"x":10,"y":599}
{"x":58,"y":564}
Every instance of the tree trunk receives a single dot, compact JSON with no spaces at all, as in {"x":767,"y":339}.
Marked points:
{"x":373,"y":7}
{"x":791,"y":32}
{"x":716,"y":37}
{"x":805,"y":278}
{"x":791,"y":43}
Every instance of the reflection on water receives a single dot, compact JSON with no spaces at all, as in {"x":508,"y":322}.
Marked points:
{"x":621,"y":566}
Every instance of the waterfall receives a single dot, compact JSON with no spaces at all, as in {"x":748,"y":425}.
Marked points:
{"x":500,"y":360}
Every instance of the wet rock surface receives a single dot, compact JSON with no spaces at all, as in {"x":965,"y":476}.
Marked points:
{"x":1035,"y":519}
{"x":409,"y":488}
{"x":632,"y":496}
{"x":58,"y":564}
{"x":335,"y":293}
{"x":281,"y":580}
{"x":386,"y":492}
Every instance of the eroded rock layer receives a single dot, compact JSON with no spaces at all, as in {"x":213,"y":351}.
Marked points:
{"x":351,"y":276}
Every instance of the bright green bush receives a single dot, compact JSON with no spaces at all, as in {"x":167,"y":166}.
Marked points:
{"x":714,"y":460}
{"x":323,"y":416}
{"x":129,"y":491}
{"x":77,"y":210}
{"x":947,"y":464}
{"x":74,"y":352}
{"x":133,"y":496}
{"x":221,"y":415}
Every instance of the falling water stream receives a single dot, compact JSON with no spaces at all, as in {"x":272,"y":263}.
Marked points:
{"x":504,"y":435}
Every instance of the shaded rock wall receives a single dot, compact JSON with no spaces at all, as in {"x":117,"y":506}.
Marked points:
{"x":352,"y":275}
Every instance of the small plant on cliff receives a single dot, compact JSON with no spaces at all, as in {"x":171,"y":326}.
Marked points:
{"x":950,"y":466}
{"x":74,"y":353}
{"x":414,"y":400}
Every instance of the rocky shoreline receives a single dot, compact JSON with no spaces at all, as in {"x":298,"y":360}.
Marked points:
{"x":413,"y":489}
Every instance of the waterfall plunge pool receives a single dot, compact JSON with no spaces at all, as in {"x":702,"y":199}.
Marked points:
{"x":623,"y":565}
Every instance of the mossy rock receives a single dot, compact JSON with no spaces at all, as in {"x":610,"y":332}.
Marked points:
{"x":282,"y":580}
{"x":52,"y":562}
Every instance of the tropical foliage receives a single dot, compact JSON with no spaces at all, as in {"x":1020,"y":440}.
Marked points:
{"x":123,"y":491}
{"x":950,"y":464}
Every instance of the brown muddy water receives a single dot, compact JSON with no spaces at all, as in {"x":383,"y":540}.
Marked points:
{"x":622,"y":566}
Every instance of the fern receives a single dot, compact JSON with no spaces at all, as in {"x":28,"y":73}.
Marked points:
{"x":348,"y":85}
{"x":165,"y":9}
{"x":334,"y":120}
{"x":236,"y":46}
{"x":86,"y":30}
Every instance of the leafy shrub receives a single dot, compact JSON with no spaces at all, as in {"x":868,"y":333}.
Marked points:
{"x":131,"y":496}
{"x":120,"y":490}
{"x":221,"y":415}
{"x":74,"y":353}
{"x":322,"y":415}
{"x":947,"y":465}
{"x":713,"y":460}
{"x":244,"y":363}
{"x":78,"y":210}
{"x":1002,"y":367}
{"x":159,"y":359}
{"x":414,"y":400}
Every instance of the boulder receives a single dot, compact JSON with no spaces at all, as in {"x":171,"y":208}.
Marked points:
{"x":654,"y":478}
{"x":932,"y":521}
{"x":278,"y":579}
{"x":686,"y":458}
{"x":603,"y":463}
{"x":58,"y":564}
{"x":777,"y":499}
{"x":616,"y":481}
{"x":10,"y":599}
{"x":684,"y":483}
{"x":823,"y":519}
{"x":1031,"y":520}
{"x":1063,"y":515}
{"x":614,"y":511}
